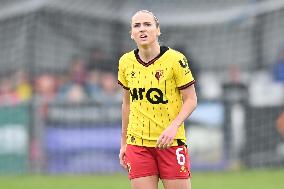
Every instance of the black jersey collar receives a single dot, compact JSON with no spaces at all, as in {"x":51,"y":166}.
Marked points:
{"x":163,"y":49}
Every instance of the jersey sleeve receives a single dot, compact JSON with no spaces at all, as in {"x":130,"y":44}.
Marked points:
{"x":182,"y":73}
{"x":122,"y":75}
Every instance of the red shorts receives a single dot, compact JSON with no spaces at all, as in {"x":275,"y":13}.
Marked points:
{"x":171,"y":163}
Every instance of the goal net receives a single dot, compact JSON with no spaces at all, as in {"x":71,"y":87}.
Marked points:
{"x":60,"y":104}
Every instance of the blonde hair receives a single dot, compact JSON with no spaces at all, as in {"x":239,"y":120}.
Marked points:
{"x":149,"y":12}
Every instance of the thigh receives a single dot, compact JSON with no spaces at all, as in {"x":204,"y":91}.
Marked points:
{"x":173,"y":163}
{"x":148,"y":182}
{"x":140,"y":161}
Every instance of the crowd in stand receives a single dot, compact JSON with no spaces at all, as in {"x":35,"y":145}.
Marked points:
{"x":78,"y":84}
{"x":82,"y":81}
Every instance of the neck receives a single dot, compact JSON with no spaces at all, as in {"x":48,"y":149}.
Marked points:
{"x":148,"y":53}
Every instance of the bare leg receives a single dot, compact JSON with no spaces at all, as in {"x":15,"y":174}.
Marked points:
{"x":177,"y":183}
{"x":148,"y":182}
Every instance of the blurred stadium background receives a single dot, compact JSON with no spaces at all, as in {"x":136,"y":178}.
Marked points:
{"x":60,"y":104}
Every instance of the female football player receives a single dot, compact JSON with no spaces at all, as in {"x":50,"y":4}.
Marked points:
{"x":158,"y":97}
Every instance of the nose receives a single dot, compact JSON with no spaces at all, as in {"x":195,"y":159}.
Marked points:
{"x":142,"y":28}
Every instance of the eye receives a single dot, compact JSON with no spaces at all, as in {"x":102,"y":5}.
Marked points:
{"x":148,"y":24}
{"x":136,"y":25}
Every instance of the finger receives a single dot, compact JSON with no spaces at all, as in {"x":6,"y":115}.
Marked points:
{"x":167,"y":143}
{"x":122,"y":160}
{"x":159,"y":141}
{"x":164,"y":146}
{"x":163,"y":142}
{"x":123,"y":165}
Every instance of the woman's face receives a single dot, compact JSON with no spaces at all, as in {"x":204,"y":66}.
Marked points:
{"x":144,"y":30}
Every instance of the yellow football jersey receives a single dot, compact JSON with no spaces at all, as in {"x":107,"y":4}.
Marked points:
{"x":155,"y":98}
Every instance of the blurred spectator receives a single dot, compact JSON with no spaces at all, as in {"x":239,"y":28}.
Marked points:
{"x":278,"y":67}
{"x":76,"y":94}
{"x":94,"y":87}
{"x":45,"y":87}
{"x":8,"y":95}
{"x":76,"y":88}
{"x":280,"y":129}
{"x":110,"y":92}
{"x":45,"y":92}
{"x":280,"y":124}
{"x":22,"y":85}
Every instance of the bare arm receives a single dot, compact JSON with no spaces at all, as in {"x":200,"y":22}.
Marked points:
{"x":125,"y":115}
{"x":189,"y":104}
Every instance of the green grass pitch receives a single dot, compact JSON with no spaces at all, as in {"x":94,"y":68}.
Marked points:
{"x":255,"y":179}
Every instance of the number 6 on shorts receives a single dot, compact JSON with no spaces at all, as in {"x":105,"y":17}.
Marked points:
{"x":180,"y":156}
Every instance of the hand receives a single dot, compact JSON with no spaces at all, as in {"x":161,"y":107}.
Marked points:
{"x":167,"y":137}
{"x":122,"y":157}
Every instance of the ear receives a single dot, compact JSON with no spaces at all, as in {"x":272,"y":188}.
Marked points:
{"x":131,"y":36}
{"x":159,"y":32}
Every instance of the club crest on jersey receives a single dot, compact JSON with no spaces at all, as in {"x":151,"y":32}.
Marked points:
{"x":159,"y":74}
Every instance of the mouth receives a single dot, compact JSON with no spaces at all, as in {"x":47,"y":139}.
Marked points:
{"x":143,"y":36}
